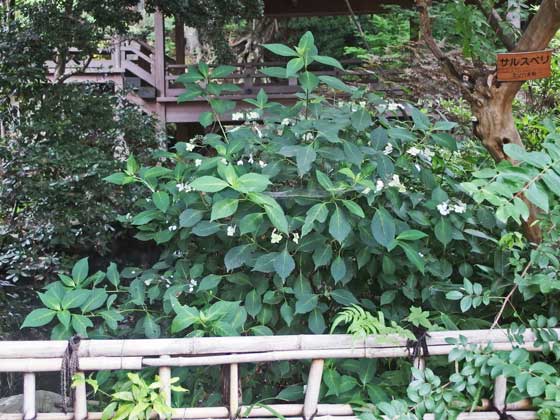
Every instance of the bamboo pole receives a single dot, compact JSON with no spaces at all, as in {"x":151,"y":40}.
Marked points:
{"x":500,"y":390}
{"x":489,"y":415}
{"x":233,"y":391}
{"x":235,"y":345}
{"x":136,"y":363}
{"x":80,"y":401}
{"x":313,"y":386}
{"x":29,"y":408}
{"x":288,"y":410}
{"x":165,"y":380}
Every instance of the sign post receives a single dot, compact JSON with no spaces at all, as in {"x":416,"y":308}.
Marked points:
{"x":516,"y":67}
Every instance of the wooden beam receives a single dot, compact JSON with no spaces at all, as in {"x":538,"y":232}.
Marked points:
{"x":29,"y":408}
{"x":179,"y":41}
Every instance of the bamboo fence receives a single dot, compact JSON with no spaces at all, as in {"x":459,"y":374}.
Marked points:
{"x":32,"y":357}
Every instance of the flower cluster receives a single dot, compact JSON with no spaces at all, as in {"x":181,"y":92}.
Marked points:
{"x":445,"y":208}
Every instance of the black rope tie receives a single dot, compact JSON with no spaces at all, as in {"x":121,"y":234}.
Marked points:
{"x":419,"y":347}
{"x":68,"y":368}
{"x":503,"y":413}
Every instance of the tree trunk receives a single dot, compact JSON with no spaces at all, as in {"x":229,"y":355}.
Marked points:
{"x":491,"y":101}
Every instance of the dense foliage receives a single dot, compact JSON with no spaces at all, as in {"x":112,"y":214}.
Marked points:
{"x":305,"y":215}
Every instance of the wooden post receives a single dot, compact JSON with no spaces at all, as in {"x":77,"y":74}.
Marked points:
{"x":116,"y":53}
{"x":29,"y":408}
{"x":313,"y":386}
{"x":500,"y":390}
{"x":165,"y":379}
{"x":179,"y":42}
{"x":80,"y":401}
{"x":233,"y":390}
{"x":159,"y":77}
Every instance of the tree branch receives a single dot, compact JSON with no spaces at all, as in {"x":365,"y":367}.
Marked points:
{"x":496,"y":21}
{"x":62,"y":78}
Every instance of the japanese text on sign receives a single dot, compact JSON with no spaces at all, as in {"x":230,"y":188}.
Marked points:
{"x":523,"y":66}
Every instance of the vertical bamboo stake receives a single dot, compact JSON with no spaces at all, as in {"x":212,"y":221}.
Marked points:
{"x":419,"y":363}
{"x":500,"y":389}
{"x":233,"y":390}
{"x":80,"y":401}
{"x":29,"y":408}
{"x":165,"y":380}
{"x":313,"y":387}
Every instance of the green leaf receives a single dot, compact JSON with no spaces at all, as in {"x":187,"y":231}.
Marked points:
{"x":205,"y":228}
{"x":95,"y":301}
{"x":209,"y":184}
{"x":161,"y":200}
{"x":291,"y":393}
{"x":535,"y":386}
{"x":250,"y":223}
{"x":279,"y":72}
{"x":224,"y":208}
{"x":251,"y":182}
{"x":318,"y":212}
{"x":281,"y":49}
{"x":337,"y":84}
{"x":50,"y":299}
{"x":308,"y":81}
{"x":80,"y":324}
{"x":209,"y":282}
{"x":537,"y":195}
{"x":322,"y":256}
{"x":190,"y":217}
{"x":113,"y":274}
{"x":191,"y":76}
{"x":354,"y":208}
{"x":344,"y":297}
{"x":339,"y":227}
{"x":293,"y":66}
{"x":338,"y":269}
{"x":287,"y":313}
{"x":237,"y":256}
{"x":273,"y":211}
{"x":186,"y":316}
{"x":413,"y":256}
{"x":552,"y":181}
{"x":329,"y":61}
{"x":206,"y":118}
{"x":112,"y":318}
{"x":316,"y":322}
{"x":443,"y":231}
{"x":119,"y":178}
{"x":411,"y":235}
{"x":421,"y":122}
{"x":80,"y":270}
{"x":145,"y":217}
{"x":305,"y":156}
{"x":306,"y":303}
{"x":383,"y":227}
{"x":192,"y":92}
{"x":361,"y":119}
{"x":454,"y":295}
{"x":284,"y":264}
{"x":38,"y":318}
{"x":253,"y":304}
{"x":75,"y":298}
{"x":222,"y":71}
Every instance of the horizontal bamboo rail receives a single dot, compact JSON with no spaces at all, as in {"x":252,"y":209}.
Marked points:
{"x":31,"y":357}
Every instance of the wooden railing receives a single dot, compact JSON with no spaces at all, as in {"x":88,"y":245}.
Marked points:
{"x":33,"y":357}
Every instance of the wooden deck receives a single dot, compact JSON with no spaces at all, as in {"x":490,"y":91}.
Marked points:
{"x":150,"y":77}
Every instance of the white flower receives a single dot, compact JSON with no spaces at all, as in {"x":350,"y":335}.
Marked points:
{"x":287,"y":121}
{"x":224,"y":161}
{"x":240,"y":162}
{"x":237,"y":116}
{"x":427,"y":154}
{"x":262,"y":163}
{"x":184,"y":187}
{"x":443,"y":208}
{"x":190,"y":147}
{"x":366,"y":190}
{"x":259,"y":132}
{"x":172,"y":228}
{"x":396,"y":182}
{"x":379,"y":185}
{"x":197,"y":162}
{"x":388,"y":149}
{"x":251,"y":159}
{"x":393,"y":107}
{"x":460,"y":207}
{"x":417,"y":167}
{"x":275,"y":237}
{"x":253,"y":115}
{"x":363,"y":103}
{"x":414,"y":151}
{"x":296,"y":238}
{"x":307,"y":136}
{"x":421,"y":255}
{"x":231,"y":230}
